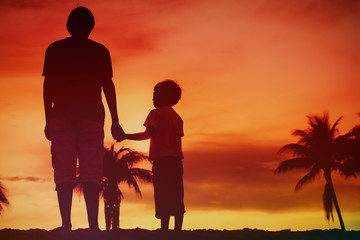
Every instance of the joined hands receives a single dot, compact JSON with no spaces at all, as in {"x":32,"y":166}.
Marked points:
{"x":117,"y":132}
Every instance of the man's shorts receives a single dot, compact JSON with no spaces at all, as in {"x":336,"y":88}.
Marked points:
{"x":73,"y":139}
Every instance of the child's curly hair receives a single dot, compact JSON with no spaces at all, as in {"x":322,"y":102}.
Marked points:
{"x":168,"y":92}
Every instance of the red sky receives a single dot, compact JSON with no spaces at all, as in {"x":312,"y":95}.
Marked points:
{"x":251,"y":72}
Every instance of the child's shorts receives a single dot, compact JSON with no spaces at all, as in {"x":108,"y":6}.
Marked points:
{"x":73,"y":139}
{"x":168,"y":186}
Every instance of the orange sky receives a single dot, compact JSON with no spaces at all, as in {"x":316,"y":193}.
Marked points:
{"x":251,"y":71}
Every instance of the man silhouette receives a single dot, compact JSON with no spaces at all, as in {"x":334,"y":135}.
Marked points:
{"x":76,"y":69}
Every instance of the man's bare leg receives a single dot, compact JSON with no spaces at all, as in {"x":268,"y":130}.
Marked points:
{"x":64,"y":194}
{"x":91,"y":195}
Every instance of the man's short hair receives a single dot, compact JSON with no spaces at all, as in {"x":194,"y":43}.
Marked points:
{"x":80,"y":22}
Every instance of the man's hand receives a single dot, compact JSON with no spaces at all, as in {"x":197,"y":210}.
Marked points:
{"x":117,"y":132}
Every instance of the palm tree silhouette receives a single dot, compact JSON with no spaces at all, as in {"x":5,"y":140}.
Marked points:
{"x":119,"y":167}
{"x":3,"y":199}
{"x":316,"y":151}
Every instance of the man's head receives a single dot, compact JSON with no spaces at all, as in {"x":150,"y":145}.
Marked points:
{"x":80,"y":22}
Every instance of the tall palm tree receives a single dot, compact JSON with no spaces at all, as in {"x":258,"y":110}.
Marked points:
{"x":3,"y":200}
{"x":316,"y":151}
{"x":119,"y":166}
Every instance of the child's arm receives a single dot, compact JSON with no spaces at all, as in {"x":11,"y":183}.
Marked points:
{"x":148,"y":133}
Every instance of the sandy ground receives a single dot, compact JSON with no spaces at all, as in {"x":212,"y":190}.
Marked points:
{"x":142,"y":234}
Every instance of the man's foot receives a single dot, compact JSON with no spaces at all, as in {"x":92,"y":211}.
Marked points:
{"x":62,"y":229}
{"x":94,"y":229}
{"x":163,"y":230}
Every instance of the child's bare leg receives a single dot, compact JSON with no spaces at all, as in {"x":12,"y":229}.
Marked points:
{"x":179,"y":221}
{"x":165,"y":223}
{"x":64,"y":193}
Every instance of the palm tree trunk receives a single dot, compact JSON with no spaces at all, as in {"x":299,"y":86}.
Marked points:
{"x":107,"y":215}
{"x":336,"y":204}
{"x":116,"y":217}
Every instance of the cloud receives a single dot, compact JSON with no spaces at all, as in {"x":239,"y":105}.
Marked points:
{"x":127,"y":28}
{"x":312,"y":13}
{"x":138,"y":27}
{"x":27,"y":179}
{"x":242,"y":178}
{"x":22,"y":4}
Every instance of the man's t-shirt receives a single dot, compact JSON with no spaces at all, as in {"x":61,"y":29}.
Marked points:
{"x":168,"y":125}
{"x":76,"y":70}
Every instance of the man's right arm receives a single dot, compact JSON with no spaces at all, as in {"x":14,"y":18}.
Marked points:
{"x":110,"y":95}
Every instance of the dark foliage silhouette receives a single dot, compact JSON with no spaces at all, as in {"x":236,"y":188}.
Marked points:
{"x":317,"y":151}
{"x":349,"y":152}
{"x":120,"y":167}
{"x":3,"y":199}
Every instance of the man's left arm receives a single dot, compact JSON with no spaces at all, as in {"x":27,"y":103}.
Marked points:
{"x":48,"y":103}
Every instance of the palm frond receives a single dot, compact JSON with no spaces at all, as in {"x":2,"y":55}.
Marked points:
{"x":3,"y":199}
{"x":133,"y":157}
{"x":313,"y":121}
{"x":333,"y":129}
{"x":328,"y":201}
{"x":120,"y":151}
{"x":300,"y":133}
{"x":141,"y":174}
{"x":350,"y":168}
{"x":294,"y":163}
{"x":131,"y":181}
{"x":348,"y":154}
{"x":307,"y":178}
{"x":355,"y":131}
{"x":295,"y":149}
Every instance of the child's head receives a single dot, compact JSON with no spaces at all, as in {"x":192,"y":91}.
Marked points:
{"x":166,"y":93}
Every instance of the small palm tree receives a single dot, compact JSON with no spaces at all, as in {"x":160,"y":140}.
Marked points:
{"x":3,"y":200}
{"x":316,"y":151}
{"x":118,"y":168}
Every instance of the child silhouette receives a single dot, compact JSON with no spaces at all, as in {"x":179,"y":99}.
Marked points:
{"x":164,"y":127}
